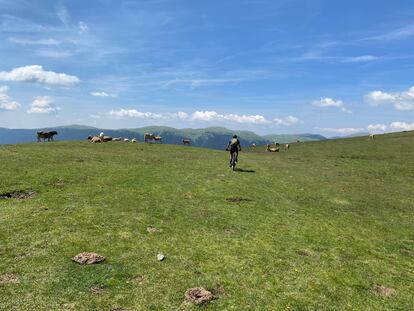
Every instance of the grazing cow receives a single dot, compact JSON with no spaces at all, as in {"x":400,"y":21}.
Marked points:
{"x":126,"y":140}
{"x":158,"y":138}
{"x":96,"y":139}
{"x":134,"y":140}
{"x":117,"y":139}
{"x":149,"y":137}
{"x":371,"y":137}
{"x":186,"y":142}
{"x":287,"y":146}
{"x":272,"y":149}
{"x":46,"y":135}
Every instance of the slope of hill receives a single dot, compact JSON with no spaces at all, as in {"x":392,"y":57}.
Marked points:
{"x":214,"y":137}
{"x":286,"y":138}
{"x":324,"y":226}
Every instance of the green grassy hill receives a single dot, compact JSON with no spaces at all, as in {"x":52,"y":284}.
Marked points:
{"x":314,"y":228}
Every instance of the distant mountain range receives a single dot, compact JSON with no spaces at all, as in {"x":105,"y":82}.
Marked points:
{"x":212,"y":137}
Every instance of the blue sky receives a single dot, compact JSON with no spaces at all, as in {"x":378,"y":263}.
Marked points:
{"x":287,"y":66}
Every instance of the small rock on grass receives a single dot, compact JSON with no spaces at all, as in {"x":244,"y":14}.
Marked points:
{"x":88,"y":258}
{"x":160,"y":257}
{"x":198,"y":295}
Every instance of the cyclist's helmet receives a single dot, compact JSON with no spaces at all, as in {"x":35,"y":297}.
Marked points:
{"x":234,"y":136}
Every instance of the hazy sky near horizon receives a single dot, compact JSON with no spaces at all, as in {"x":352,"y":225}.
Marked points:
{"x":286,"y":66}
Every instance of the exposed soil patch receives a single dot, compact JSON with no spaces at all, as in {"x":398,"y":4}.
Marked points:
{"x":88,"y":258}
{"x":9,"y":278}
{"x":19,"y":195}
{"x":153,"y":230}
{"x":304,"y":252}
{"x":96,"y":289}
{"x":59,"y":183}
{"x":237,"y":200}
{"x":409,"y":252}
{"x":198,"y":295}
{"x":140,"y":280}
{"x":384,"y":291}
{"x":219,"y":291}
{"x":188,"y":195}
{"x":120,"y":309}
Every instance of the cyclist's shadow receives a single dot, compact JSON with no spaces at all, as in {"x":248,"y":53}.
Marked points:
{"x":243,"y":171}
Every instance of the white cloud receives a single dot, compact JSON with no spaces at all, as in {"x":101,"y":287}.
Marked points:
{"x":6,"y":102}
{"x":62,"y":13}
{"x":400,"y":33}
{"x":43,"y":104}
{"x":204,"y":116}
{"x":400,"y":100}
{"x":49,"y":41}
{"x":329,"y":102}
{"x":344,"y":130}
{"x":133,"y":113}
{"x":182,"y":115}
{"x":377,"y":127}
{"x":287,"y":121}
{"x":214,"y":116}
{"x":83,"y":27}
{"x":360,"y":59}
{"x":36,"y":74}
{"x":95,"y":116}
{"x":402,"y":126}
{"x":103,"y":94}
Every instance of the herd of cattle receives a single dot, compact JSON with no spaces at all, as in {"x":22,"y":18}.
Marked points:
{"x":148,"y":138}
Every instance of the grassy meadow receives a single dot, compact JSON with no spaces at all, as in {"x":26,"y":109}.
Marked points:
{"x":313,"y":228}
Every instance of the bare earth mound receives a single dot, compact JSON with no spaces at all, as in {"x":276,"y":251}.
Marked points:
{"x":198,"y":295}
{"x":18,"y":195}
{"x":88,"y":258}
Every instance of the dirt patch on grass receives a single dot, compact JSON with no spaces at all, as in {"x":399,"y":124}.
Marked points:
{"x":304,"y":252}
{"x":237,"y":200}
{"x":9,"y":278}
{"x":140,"y":280}
{"x":96,"y":289}
{"x":383,"y":290}
{"x":188,"y":195}
{"x":408,"y":252}
{"x":153,"y":230}
{"x":120,"y":309}
{"x":198,"y":295}
{"x":88,"y":258}
{"x":19,"y":195}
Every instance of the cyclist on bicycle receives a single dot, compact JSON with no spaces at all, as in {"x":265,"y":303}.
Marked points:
{"x":234,"y":147}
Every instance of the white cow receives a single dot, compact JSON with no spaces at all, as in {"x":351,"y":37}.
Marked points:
{"x":371,"y":137}
{"x":126,"y":139}
{"x":117,"y":139}
{"x":134,"y":140}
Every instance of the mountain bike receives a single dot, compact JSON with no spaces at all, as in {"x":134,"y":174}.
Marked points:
{"x":233,"y":161}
